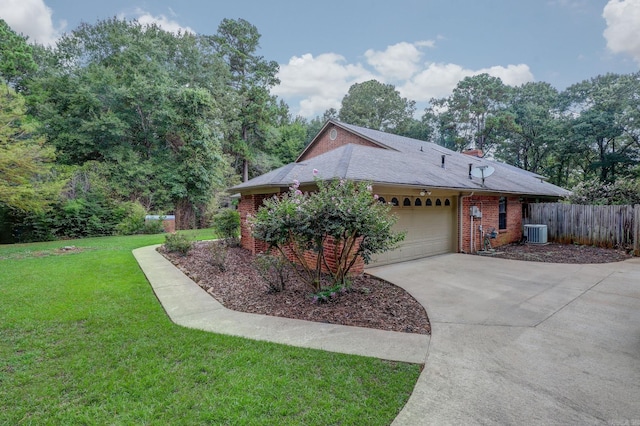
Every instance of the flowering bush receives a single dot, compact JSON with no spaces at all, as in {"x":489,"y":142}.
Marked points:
{"x":622,"y":191}
{"x":341,"y":211}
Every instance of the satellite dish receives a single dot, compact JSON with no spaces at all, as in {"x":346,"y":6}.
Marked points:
{"x":482,"y":172}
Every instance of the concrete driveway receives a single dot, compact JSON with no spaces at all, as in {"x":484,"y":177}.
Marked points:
{"x":525,"y":343}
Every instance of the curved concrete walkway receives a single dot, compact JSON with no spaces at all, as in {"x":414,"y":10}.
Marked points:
{"x":189,"y":305}
{"x":512,"y":342}
{"x":525,"y":343}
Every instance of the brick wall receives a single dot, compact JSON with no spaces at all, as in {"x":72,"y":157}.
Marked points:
{"x":324,"y":143}
{"x":249,"y":205}
{"x":330,"y":256}
{"x":489,"y":206}
{"x":169,"y":225}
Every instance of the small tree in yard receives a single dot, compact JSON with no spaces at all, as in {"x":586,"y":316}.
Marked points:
{"x":342,"y":212}
{"x":226,"y":224}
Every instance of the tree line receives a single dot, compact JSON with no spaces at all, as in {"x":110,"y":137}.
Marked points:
{"x":120,"y":119}
{"x":587,"y":133}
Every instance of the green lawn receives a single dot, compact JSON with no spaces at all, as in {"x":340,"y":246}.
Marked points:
{"x":83,"y":340}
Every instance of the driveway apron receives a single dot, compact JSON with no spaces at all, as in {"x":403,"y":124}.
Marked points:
{"x":525,"y":343}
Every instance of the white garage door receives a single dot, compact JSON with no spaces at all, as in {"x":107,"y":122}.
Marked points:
{"x":430,"y":229}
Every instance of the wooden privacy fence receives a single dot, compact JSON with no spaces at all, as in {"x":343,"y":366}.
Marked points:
{"x":606,"y":226}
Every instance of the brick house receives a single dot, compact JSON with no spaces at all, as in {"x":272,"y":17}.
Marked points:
{"x":438,"y":195}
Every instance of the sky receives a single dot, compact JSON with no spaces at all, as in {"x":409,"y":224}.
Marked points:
{"x":422,"y":47}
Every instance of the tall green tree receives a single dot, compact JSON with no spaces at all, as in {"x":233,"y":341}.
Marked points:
{"x":16,"y":56}
{"x":287,"y":141}
{"x":535,"y":129}
{"x":474,"y":113}
{"x":26,"y":181}
{"x":237,"y":42}
{"x":144,"y":102}
{"x":602,"y":115}
{"x":377,"y":106}
{"x":418,"y":129}
{"x":194,"y":151}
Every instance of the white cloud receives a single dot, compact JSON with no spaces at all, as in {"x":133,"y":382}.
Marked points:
{"x":397,"y":62}
{"x":318,"y":83}
{"x":32,"y":18}
{"x":439,"y":80}
{"x":427,"y":43}
{"x":623,"y":22}
{"x":435,"y":81}
{"x":167,"y":24}
{"x":321,"y":81}
{"x":511,"y":75}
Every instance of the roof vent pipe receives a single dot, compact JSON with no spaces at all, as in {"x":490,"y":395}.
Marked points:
{"x":470,"y":167}
{"x":443,"y":157}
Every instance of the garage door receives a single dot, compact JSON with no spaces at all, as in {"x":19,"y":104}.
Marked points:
{"x":430,"y":227}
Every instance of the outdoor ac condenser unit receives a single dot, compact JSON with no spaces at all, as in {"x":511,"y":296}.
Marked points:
{"x":536,"y":234}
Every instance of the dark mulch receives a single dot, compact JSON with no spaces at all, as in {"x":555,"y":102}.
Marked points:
{"x":371,"y":302}
{"x":561,"y":253}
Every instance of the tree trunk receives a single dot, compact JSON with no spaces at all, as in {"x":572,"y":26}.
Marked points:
{"x":185,"y":215}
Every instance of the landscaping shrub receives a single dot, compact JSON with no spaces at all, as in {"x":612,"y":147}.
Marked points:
{"x":81,"y":217}
{"x":152,"y":227}
{"x":218,"y":254}
{"x":226,"y":224}
{"x":178,"y":243}
{"x":134,"y":221}
{"x":25,"y":227}
{"x":325,"y":294}
{"x":274,"y":270}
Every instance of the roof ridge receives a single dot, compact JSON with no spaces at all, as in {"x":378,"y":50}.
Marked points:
{"x":382,"y":138}
{"x":345,"y":159}
{"x":284,"y":170}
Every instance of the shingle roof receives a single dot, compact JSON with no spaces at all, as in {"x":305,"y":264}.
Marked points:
{"x":407,"y":162}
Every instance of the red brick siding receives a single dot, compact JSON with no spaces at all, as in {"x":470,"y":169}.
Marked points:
{"x":324,"y":143}
{"x":169,"y":225}
{"x":330,"y":256}
{"x":249,"y":205}
{"x":489,"y":206}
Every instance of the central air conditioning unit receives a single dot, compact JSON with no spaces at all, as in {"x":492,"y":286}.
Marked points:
{"x":536,"y":234}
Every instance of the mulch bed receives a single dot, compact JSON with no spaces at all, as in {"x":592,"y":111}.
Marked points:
{"x":371,"y":302}
{"x":561,"y":253}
